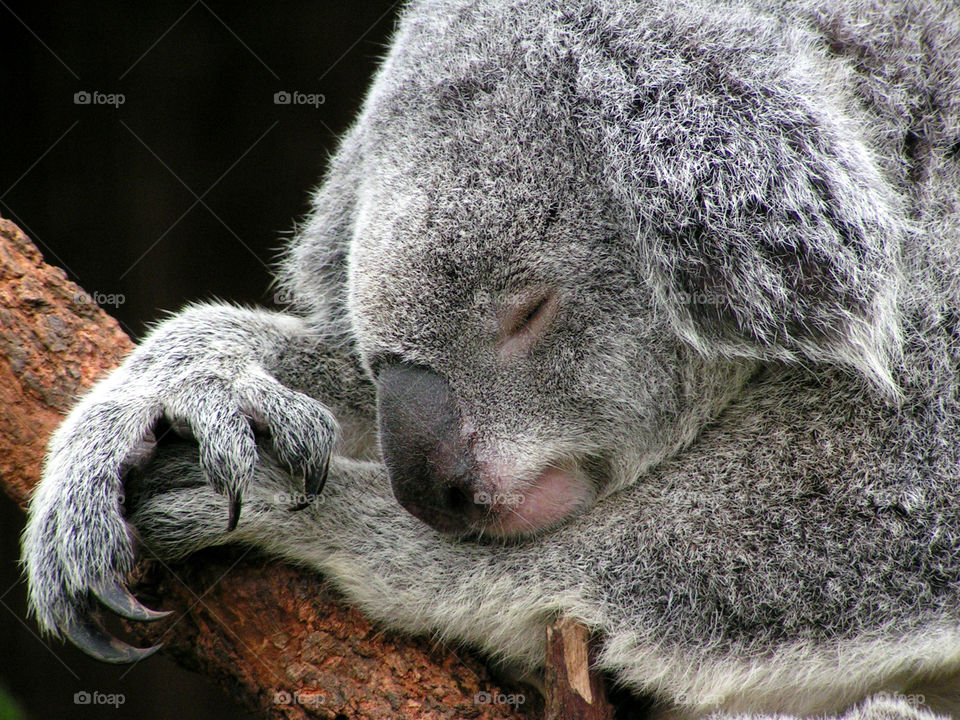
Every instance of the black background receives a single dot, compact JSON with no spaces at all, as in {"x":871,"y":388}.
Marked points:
{"x":110,"y":194}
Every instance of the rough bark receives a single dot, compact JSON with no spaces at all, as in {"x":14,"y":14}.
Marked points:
{"x":277,"y":638}
{"x":54,"y":342}
{"x":572,"y":692}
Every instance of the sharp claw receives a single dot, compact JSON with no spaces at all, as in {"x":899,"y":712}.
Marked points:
{"x":316,"y":479}
{"x":95,"y":642}
{"x":123,"y":603}
{"x":234,"y":516}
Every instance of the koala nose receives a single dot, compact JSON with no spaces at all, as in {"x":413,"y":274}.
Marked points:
{"x":431,"y":470}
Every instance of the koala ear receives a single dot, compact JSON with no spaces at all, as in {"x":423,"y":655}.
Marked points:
{"x":781,"y":243}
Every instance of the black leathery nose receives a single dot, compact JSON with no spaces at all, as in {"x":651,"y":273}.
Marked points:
{"x":431,"y":469}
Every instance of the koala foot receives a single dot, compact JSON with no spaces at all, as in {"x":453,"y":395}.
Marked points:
{"x":81,"y":535}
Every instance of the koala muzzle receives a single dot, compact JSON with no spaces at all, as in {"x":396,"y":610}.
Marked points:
{"x":431,"y":469}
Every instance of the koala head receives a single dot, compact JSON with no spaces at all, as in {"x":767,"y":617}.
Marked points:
{"x":518,"y":359}
{"x":561,"y":266}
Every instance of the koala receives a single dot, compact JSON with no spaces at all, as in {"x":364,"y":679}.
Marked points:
{"x":641,"y":312}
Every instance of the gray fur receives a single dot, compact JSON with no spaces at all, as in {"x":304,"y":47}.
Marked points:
{"x":750,"y":214}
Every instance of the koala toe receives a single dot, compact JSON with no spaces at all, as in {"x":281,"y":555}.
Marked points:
{"x":300,"y":431}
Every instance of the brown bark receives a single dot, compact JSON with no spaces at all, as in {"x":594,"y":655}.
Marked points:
{"x":573,"y":692}
{"x":54,"y":342}
{"x":277,"y":638}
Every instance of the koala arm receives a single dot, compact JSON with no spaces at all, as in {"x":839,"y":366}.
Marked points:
{"x":880,"y":707}
{"x":216,"y":374}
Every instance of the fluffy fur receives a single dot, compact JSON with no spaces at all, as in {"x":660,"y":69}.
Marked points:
{"x":750,"y":213}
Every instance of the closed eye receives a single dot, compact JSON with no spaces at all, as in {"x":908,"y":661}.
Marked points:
{"x":527,"y":320}
{"x":536,"y":311}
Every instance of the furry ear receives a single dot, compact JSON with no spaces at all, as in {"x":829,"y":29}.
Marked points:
{"x":768,"y":232}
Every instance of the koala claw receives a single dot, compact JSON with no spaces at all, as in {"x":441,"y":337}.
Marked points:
{"x":97,"y":643}
{"x":115,"y":597}
{"x":92,"y":639}
{"x":313,"y":484}
{"x":316,"y":479}
{"x":234,"y":513}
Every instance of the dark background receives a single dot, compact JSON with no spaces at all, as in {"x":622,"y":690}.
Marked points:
{"x":183,"y":192}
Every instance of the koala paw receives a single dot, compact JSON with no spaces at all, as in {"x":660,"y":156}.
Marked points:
{"x":78,"y":547}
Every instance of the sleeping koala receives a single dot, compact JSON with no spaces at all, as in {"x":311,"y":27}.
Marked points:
{"x":640,"y":312}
